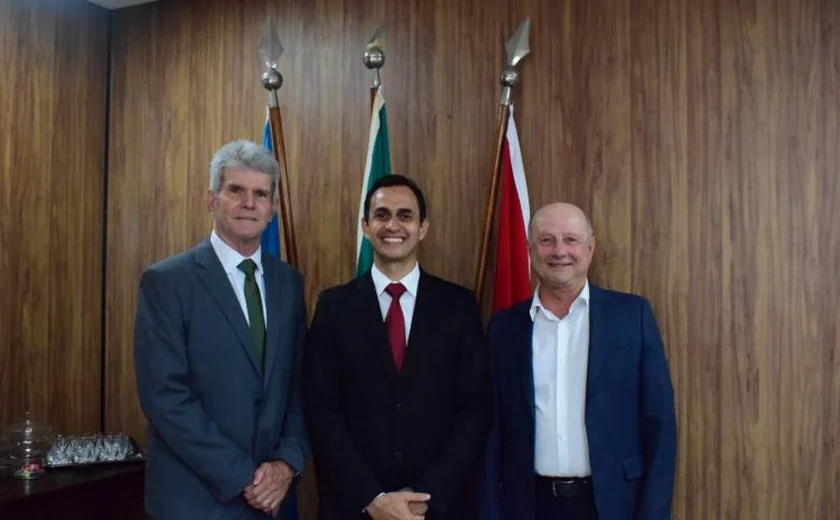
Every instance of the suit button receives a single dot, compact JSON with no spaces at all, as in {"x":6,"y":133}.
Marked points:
{"x":400,"y":408}
{"x":398,"y":455}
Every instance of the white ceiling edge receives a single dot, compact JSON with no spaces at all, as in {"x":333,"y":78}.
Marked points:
{"x":118,"y":4}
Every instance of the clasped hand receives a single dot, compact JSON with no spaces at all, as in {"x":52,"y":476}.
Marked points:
{"x":269,"y":487}
{"x":399,"y":505}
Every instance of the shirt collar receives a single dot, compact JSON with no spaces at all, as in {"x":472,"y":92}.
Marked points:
{"x":410,"y":281}
{"x":536,"y":304}
{"x":230,"y":257}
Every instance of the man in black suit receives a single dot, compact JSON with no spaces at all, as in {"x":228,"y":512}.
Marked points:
{"x":396,"y":388}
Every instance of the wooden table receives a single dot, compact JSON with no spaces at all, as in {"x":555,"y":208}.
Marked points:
{"x":105,"y":491}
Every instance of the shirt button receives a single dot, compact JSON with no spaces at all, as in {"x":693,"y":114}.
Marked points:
{"x":398,"y":455}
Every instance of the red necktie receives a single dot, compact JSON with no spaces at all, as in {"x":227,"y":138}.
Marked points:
{"x":395,"y":324}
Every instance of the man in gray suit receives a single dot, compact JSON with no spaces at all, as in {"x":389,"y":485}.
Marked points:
{"x":217,"y":338}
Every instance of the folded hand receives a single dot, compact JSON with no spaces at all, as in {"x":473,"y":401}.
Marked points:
{"x":399,"y":505}
{"x":269,"y":487}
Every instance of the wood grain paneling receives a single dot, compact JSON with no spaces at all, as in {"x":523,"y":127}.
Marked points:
{"x":53,"y":60}
{"x":700,"y":136}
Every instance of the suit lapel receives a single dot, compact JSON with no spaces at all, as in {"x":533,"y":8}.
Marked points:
{"x":422,"y":323}
{"x":214,"y":278}
{"x":523,"y":327}
{"x":372,"y":325}
{"x":516,"y":355}
{"x":598,"y":339}
{"x":275,"y":304}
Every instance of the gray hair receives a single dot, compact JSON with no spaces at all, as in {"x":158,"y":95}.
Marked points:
{"x":244,"y":154}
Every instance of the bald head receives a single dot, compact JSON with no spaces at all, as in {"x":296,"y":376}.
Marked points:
{"x":559,"y":211}
{"x":561,"y":246}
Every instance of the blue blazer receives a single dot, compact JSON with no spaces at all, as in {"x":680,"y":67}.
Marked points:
{"x":214,"y":415}
{"x":630,"y":420}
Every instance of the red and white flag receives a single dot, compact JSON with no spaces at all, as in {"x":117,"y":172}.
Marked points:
{"x":512,"y":282}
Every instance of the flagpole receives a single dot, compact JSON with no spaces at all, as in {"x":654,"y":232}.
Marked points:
{"x":374,"y":59}
{"x":378,"y":158}
{"x":517,"y":48}
{"x":272,"y":80}
{"x":490,"y":207}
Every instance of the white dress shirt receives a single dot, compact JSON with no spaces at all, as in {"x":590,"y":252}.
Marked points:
{"x":560,"y":359}
{"x":230,"y":259}
{"x":407,"y":300}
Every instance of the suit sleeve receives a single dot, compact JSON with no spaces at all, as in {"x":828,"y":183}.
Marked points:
{"x":293,"y":446}
{"x":488,"y":505}
{"x":336,"y":454}
{"x":165,"y":396}
{"x":659,"y":426}
{"x":461,"y":450}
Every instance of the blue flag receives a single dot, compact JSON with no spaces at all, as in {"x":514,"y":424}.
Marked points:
{"x":271,"y":234}
{"x":271,"y":245}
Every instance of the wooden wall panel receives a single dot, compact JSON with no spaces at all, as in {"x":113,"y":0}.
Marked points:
{"x":700,"y":136}
{"x":696,"y":351}
{"x":52,"y":150}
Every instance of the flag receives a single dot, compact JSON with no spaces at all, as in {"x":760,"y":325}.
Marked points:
{"x":271,"y":234}
{"x":377,"y":165}
{"x":271,"y":245}
{"x":512,"y":281}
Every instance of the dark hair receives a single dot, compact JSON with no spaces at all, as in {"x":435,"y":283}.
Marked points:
{"x":396,"y":180}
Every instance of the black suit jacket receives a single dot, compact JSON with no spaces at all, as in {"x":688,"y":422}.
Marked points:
{"x":376,"y":430}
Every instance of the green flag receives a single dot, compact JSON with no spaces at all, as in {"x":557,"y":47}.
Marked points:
{"x":377,"y":165}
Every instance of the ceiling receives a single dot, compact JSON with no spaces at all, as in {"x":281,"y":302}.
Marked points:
{"x":116,"y":4}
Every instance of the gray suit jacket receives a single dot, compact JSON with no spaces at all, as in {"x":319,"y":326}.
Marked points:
{"x":214,"y":414}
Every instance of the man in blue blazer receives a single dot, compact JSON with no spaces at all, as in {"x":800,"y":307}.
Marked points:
{"x":218,"y":331}
{"x":584,"y":423}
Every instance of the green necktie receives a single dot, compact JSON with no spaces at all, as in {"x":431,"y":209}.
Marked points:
{"x":255,"y":309}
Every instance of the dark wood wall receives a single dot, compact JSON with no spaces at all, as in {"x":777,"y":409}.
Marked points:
{"x":53,"y":66}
